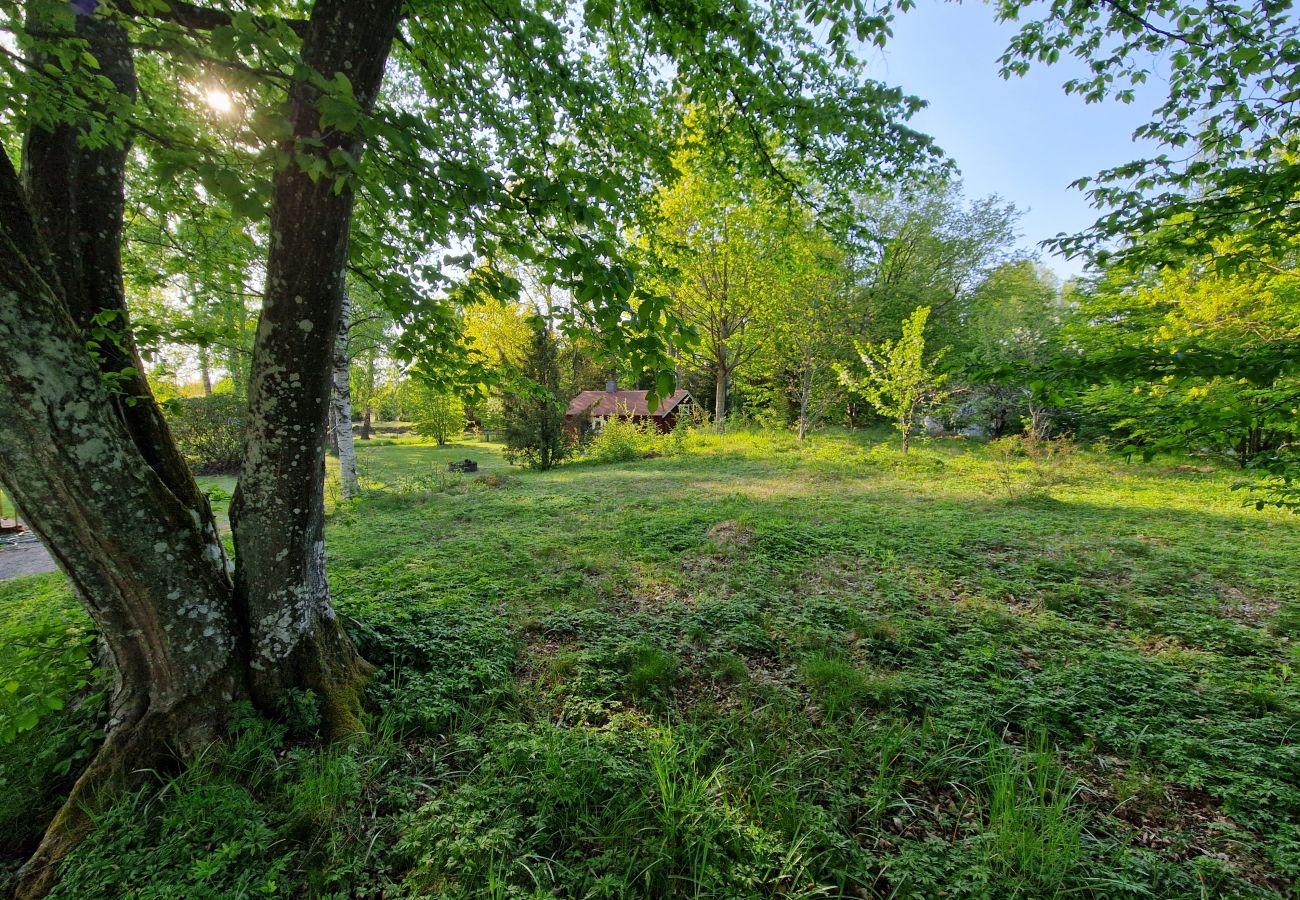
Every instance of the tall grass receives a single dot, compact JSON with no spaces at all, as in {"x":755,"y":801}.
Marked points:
{"x":1033,"y":832}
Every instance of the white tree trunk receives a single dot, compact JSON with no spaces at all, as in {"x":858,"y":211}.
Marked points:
{"x":349,"y":486}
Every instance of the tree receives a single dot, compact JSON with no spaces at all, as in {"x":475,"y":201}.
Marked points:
{"x":1012,"y":325}
{"x":720,"y":246}
{"x":438,"y":413}
{"x":1226,"y":128}
{"x":811,"y":324}
{"x":899,"y":381}
{"x":932,"y":247}
{"x":341,"y":406}
{"x":533,"y":413}
{"x":1191,"y":360}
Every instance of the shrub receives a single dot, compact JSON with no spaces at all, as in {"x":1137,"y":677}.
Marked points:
{"x":1027,"y":466}
{"x":209,"y":431}
{"x":621,"y":440}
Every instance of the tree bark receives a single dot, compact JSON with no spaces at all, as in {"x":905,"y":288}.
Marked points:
{"x":349,"y":486}
{"x":144,"y":558}
{"x":720,"y":400}
{"x":205,"y":372}
{"x":295,"y":638}
{"x":805,"y":392}
{"x":77,"y":198}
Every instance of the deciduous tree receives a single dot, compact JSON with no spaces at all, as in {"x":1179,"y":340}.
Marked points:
{"x":898,"y":379}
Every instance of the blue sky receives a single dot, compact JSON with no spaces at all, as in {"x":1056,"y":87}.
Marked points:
{"x":1022,"y":139}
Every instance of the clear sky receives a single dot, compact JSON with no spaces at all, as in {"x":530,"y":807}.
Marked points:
{"x":1023,"y":139}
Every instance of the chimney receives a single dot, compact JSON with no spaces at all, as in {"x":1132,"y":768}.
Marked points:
{"x":611,"y":386}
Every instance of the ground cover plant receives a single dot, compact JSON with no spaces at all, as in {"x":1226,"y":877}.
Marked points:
{"x":756,"y":667}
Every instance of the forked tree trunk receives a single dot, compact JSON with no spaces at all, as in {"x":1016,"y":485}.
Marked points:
{"x":101,"y":479}
{"x":349,"y":486}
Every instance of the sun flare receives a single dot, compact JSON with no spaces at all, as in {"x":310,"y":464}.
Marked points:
{"x":219,"y":100}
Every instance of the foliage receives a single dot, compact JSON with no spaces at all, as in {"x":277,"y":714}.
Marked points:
{"x":209,"y":431}
{"x":1192,"y":360}
{"x":930,"y":246}
{"x":438,"y":413}
{"x":1227,"y":160}
{"x":534,"y":411}
{"x":722,"y":246}
{"x":51,"y":702}
{"x":899,"y":381}
{"x":622,"y":440}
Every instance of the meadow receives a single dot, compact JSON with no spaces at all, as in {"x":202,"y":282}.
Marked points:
{"x":748,"y":667}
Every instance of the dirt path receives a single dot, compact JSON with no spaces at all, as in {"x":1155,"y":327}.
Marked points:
{"x":24,"y":556}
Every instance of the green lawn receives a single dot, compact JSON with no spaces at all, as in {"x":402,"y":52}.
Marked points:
{"x":755,"y":669}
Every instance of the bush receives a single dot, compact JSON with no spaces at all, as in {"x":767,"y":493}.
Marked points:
{"x":1027,"y":466}
{"x":209,"y":431}
{"x":621,"y":440}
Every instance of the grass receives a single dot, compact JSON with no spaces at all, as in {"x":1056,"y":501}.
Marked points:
{"x":751,"y":669}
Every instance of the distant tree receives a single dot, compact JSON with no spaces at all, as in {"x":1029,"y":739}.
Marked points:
{"x":1012,"y":325}
{"x":930,"y":247}
{"x":534,"y":411}
{"x":719,"y":242}
{"x":491,"y":416}
{"x":438,"y":413}
{"x":811,"y":326}
{"x":899,"y":381}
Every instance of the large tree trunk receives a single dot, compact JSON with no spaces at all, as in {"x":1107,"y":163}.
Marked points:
{"x":295,"y":638}
{"x":349,"y":486}
{"x":77,"y":200}
{"x":143,"y":558}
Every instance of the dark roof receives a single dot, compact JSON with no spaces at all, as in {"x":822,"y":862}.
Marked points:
{"x":622,"y":403}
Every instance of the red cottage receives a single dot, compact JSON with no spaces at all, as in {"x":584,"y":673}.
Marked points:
{"x":589,"y":410}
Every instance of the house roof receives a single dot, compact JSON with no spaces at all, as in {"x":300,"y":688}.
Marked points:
{"x":627,"y":403}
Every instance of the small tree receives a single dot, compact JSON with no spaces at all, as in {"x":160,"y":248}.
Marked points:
{"x":899,"y":382}
{"x":534,"y":413}
{"x":439,"y":414}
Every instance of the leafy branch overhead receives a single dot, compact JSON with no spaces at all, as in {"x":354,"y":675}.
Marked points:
{"x":1226,"y":134}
